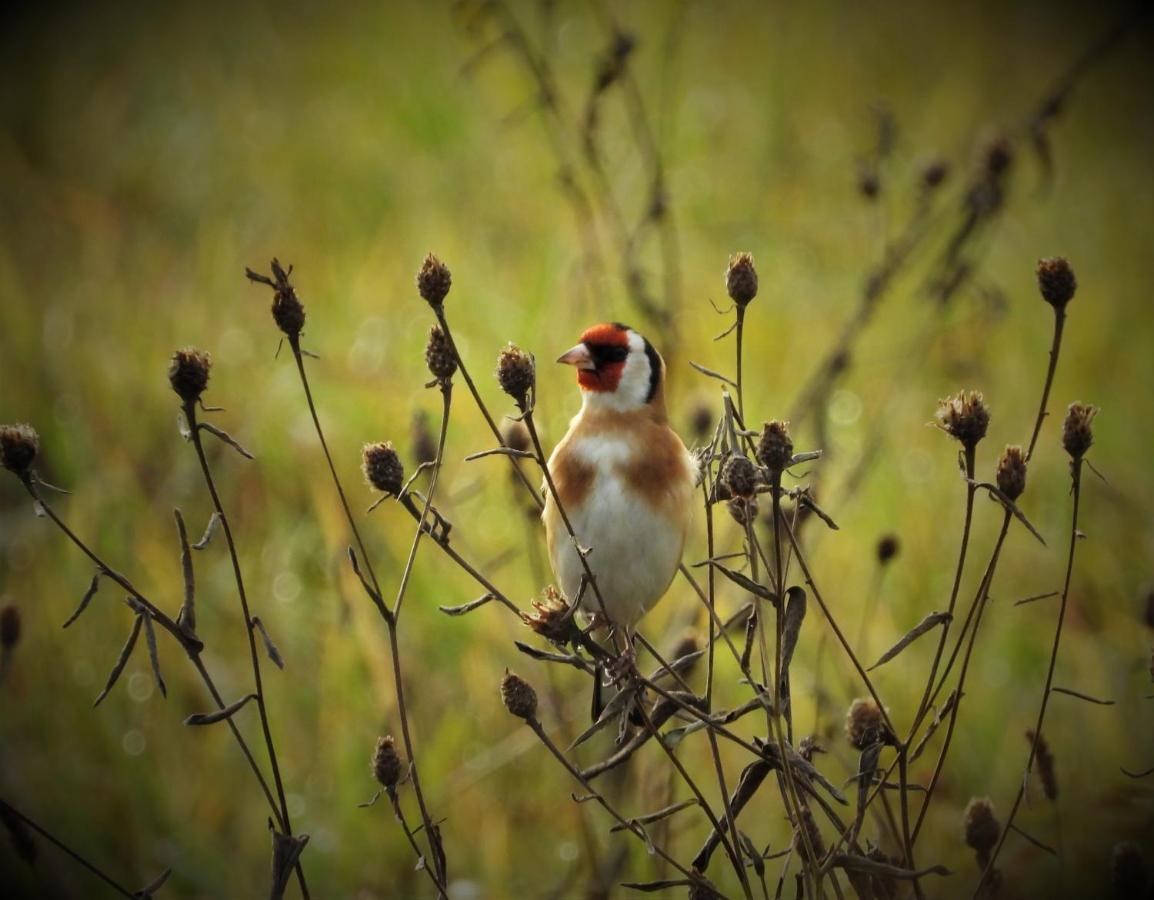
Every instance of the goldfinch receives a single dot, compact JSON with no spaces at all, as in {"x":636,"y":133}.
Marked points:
{"x":623,"y":477}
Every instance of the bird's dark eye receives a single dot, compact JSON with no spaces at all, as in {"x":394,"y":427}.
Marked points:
{"x":603,"y":354}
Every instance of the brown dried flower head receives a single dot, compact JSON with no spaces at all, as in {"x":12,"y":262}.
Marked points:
{"x":387,"y":766}
{"x":739,"y":475}
{"x":439,"y":354}
{"x":519,"y":698}
{"x":19,"y":445}
{"x":741,"y":279}
{"x":888,"y":547}
{"x":865,"y":725}
{"x":515,"y":436}
{"x":550,"y":617}
{"x":981,"y":827}
{"x":1056,"y":281}
{"x":188,"y":373}
{"x":517,"y":374}
{"x":1077,"y":435}
{"x":434,"y":281}
{"x":1045,"y":760}
{"x":287,"y":310}
{"x":9,"y":627}
{"x":383,"y":468}
{"x":743,"y":510}
{"x":1011,"y":474}
{"x":775,"y":449}
{"x":965,"y":417}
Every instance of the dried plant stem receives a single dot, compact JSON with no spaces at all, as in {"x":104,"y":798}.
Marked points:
{"x":976,"y":611}
{"x":254,"y":655}
{"x":1055,"y":347}
{"x":192,"y":649}
{"x":437,"y":872}
{"x":60,"y":845}
{"x":1076,"y":487}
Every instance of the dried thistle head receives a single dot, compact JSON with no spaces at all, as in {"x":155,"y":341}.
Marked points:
{"x":519,"y":697}
{"x":387,"y":766}
{"x":888,"y":547}
{"x":982,"y":828}
{"x":1045,"y":760}
{"x":1056,"y":281}
{"x":19,"y":446}
{"x":741,"y":279}
{"x":1077,"y":435}
{"x":439,"y":355}
{"x":188,"y":373}
{"x":515,"y":435}
{"x":743,"y":510}
{"x":434,"y":281}
{"x":550,"y":617}
{"x":775,"y":449}
{"x":9,"y":627}
{"x":739,"y":476}
{"x":965,"y":417}
{"x":517,"y":374}
{"x":287,"y":310}
{"x":1011,"y":475}
{"x":383,"y":468}
{"x":865,"y":725}
{"x":807,"y":837}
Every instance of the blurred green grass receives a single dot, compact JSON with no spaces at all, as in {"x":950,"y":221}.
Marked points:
{"x":147,"y":156}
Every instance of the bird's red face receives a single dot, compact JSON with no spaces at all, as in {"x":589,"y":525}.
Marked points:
{"x":600,"y":357}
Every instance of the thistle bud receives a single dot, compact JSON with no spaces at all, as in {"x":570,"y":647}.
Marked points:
{"x":965,"y":417}
{"x":519,"y":698}
{"x":387,"y":765}
{"x":1011,"y":474}
{"x":383,"y":468}
{"x":287,"y":310}
{"x":439,"y":355}
{"x":982,"y":828}
{"x":517,"y":374}
{"x":9,"y":627}
{"x":434,"y":281}
{"x":741,"y":279}
{"x":550,"y":618}
{"x":775,"y":449}
{"x":865,"y":725}
{"x":739,"y":475}
{"x":888,"y":547}
{"x":1077,"y":435}
{"x":19,"y":445}
{"x":1056,"y":281}
{"x":188,"y":373}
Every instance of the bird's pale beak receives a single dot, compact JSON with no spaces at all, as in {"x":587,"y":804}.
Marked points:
{"x":579,"y":357}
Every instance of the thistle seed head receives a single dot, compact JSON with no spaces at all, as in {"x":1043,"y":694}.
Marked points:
{"x":982,"y":828}
{"x":1011,"y":475}
{"x":519,"y":698}
{"x":550,"y":618}
{"x":1056,"y":281}
{"x":965,"y":417}
{"x":439,"y":355}
{"x":865,"y":725}
{"x":739,"y":475}
{"x":188,"y":373}
{"x":741,"y":279}
{"x":434,"y":281}
{"x":775,"y":449}
{"x":743,"y":510}
{"x":387,"y":767}
{"x":19,"y":445}
{"x":383,"y":468}
{"x":517,"y":374}
{"x":1077,"y":435}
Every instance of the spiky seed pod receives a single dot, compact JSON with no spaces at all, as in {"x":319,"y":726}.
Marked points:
{"x":1045,"y":760}
{"x":383,"y":468}
{"x":517,"y":374}
{"x":518,"y":696}
{"x":935,"y":173}
{"x":1011,"y":474}
{"x":865,"y":725}
{"x":965,"y":417}
{"x":19,"y":445}
{"x":387,"y":766}
{"x":550,"y":618}
{"x":1056,"y":281}
{"x":743,"y":509}
{"x":188,"y":373}
{"x":439,"y":355}
{"x":287,"y":310}
{"x":888,"y":548}
{"x":741,"y":279}
{"x":739,"y":475}
{"x":1077,"y":435}
{"x":807,"y":828}
{"x":9,"y":627}
{"x":434,"y":281}
{"x":981,"y":827}
{"x":775,"y":449}
{"x":1128,"y":871}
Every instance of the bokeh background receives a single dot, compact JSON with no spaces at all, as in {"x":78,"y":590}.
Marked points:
{"x":148,"y":154}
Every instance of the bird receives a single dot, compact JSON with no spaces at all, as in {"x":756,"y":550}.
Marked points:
{"x":624,"y":479}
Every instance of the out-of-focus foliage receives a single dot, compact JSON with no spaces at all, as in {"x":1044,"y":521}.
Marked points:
{"x":148,"y":154}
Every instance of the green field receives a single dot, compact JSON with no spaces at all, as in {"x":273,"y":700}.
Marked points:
{"x":148,"y":154}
